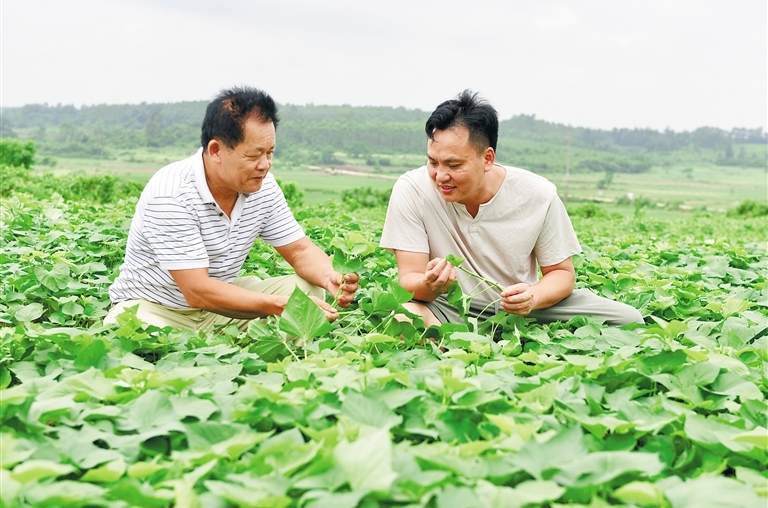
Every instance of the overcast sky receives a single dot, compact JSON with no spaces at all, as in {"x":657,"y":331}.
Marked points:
{"x":678,"y":64}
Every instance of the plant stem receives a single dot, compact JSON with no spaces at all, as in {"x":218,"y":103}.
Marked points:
{"x":487,"y":281}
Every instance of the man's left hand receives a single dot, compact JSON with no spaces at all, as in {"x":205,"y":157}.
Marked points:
{"x":345,"y":290}
{"x":518,"y":299}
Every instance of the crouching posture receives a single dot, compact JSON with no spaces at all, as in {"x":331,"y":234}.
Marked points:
{"x":198,"y":218}
{"x":506,"y":222}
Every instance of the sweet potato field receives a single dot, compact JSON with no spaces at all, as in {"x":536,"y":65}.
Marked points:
{"x":371,"y":412}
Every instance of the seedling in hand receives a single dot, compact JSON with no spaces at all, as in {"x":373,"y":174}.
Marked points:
{"x":348,"y":255}
{"x":456,"y":261}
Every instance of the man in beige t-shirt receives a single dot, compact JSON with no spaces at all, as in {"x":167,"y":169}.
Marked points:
{"x":506,"y":222}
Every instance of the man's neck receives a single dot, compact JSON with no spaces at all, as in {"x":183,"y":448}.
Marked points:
{"x":225,"y":198}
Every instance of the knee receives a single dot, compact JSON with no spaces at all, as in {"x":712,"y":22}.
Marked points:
{"x":309,"y":289}
{"x":422,"y":310}
{"x":626,"y":315}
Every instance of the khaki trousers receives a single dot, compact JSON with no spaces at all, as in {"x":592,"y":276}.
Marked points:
{"x":196,"y":319}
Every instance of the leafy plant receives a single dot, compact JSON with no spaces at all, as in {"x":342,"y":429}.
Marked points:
{"x":367,"y":412}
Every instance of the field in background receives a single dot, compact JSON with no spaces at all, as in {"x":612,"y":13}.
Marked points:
{"x":672,"y":188}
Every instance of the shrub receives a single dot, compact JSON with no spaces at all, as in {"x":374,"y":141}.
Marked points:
{"x":588,"y":210}
{"x":365,"y":197}
{"x":72,"y":187}
{"x":17,"y":154}
{"x":748,"y":208}
{"x":293,"y":195}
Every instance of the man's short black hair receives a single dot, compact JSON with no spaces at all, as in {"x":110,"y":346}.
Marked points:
{"x":470,"y":111}
{"x":226,"y":115}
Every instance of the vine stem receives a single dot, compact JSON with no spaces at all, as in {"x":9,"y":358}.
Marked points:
{"x":487,"y":281}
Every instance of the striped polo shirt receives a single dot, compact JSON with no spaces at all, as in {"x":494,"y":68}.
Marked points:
{"x":179,"y":226}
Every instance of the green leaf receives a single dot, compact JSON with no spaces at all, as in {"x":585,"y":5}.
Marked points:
{"x":454,"y":260}
{"x":246,"y":496}
{"x":733,"y":307}
{"x":335,"y":500}
{"x":238,"y":444}
{"x":757,"y":437}
{"x":640,"y":493}
{"x":711,"y":492}
{"x":108,"y":473}
{"x":540,"y":399}
{"x":378,"y":338}
{"x":710,"y":431}
{"x":153,"y":409}
{"x":29,"y":313}
{"x":55,"y":279}
{"x":698,"y":374}
{"x":63,"y":493}
{"x":72,"y":309}
{"x":368,"y":411}
{"x":664,"y":362}
{"x":285,"y":452}
{"x":367,"y":462}
{"x":34,"y":470}
{"x":344,"y":264}
{"x":543,"y":460}
{"x":91,"y":355}
{"x":531,"y":492}
{"x":601,"y":467}
{"x":10,"y":489}
{"x":302,"y":318}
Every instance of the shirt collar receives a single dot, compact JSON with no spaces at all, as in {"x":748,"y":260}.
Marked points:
{"x":200,"y":183}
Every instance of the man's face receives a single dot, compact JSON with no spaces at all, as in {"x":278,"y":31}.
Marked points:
{"x":245,"y":166}
{"x":457,"y":168}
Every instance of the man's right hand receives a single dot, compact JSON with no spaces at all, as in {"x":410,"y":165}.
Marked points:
{"x":439,"y":275}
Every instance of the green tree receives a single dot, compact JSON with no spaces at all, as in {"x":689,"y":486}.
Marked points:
{"x":17,"y":154}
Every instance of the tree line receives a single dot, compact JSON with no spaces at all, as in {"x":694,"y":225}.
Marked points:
{"x":97,"y":131}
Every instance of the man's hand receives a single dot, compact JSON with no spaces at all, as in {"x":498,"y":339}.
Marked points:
{"x":344,"y":289}
{"x":518,"y":299}
{"x":330,"y":312}
{"x":439,"y":275}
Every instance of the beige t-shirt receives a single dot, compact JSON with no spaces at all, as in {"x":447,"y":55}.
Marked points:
{"x":524,"y":223}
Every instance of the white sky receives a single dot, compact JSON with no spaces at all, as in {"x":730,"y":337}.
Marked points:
{"x":678,"y":64}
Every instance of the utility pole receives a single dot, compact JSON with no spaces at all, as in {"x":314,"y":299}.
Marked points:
{"x":567,"y":168}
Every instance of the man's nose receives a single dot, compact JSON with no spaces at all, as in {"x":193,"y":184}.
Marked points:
{"x":263,"y":163}
{"x":442,"y":175}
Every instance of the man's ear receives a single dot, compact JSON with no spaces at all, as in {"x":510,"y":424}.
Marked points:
{"x":489,"y":156}
{"x":214,"y":148}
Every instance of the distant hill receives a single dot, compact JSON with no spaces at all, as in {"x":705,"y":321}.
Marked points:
{"x":97,"y":131}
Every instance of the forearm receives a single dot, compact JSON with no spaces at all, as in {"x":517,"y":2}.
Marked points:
{"x":415,"y":283}
{"x":552,"y":288}
{"x":314,"y":266}
{"x":233,"y":301}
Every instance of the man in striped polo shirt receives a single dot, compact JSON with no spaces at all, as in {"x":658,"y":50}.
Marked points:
{"x":198,"y":218}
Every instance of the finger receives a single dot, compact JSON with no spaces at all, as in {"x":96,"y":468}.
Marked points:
{"x":432,"y":263}
{"x":515,"y":289}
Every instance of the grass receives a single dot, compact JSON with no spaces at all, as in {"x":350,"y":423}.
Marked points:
{"x":679,"y":183}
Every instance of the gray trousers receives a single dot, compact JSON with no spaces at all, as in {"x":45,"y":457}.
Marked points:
{"x":582,"y":302}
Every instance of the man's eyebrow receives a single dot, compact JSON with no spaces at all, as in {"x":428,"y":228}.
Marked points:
{"x":258,"y":151}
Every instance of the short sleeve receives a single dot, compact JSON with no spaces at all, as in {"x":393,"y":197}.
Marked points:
{"x":174,"y":235}
{"x":281,"y":227}
{"x":557,"y":240}
{"x":404,"y":224}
